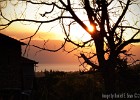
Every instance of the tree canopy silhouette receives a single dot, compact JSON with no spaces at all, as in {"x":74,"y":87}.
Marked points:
{"x":111,"y":24}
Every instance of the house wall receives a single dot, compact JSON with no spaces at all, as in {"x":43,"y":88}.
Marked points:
{"x":28,"y":76}
{"x":9,"y":53}
{"x":10,"y":76}
{"x":14,"y":72}
{"x":10,"y":73}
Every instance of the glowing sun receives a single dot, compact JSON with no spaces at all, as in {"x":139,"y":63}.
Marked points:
{"x":90,"y":28}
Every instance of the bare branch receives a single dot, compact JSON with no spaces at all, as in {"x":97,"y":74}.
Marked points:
{"x":75,"y":17}
{"x":43,"y":3}
{"x":120,"y":18}
{"x":89,"y":62}
{"x":135,"y":34}
{"x":51,"y":50}
{"x":48,"y":12}
{"x":130,"y":27}
{"x":125,"y":44}
{"x":30,"y":38}
{"x":69,"y":40}
{"x":36,"y":21}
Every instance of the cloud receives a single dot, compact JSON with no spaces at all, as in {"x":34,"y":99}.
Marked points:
{"x":61,"y":57}
{"x":50,"y":57}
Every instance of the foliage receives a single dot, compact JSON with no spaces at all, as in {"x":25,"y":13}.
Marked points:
{"x":79,"y":86}
{"x":70,"y":86}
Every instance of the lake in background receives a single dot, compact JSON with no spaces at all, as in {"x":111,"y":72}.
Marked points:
{"x":57,"y":67}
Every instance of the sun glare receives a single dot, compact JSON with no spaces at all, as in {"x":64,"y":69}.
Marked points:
{"x":90,"y":28}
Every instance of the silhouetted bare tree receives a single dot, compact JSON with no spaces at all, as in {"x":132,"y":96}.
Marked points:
{"x":110,"y":21}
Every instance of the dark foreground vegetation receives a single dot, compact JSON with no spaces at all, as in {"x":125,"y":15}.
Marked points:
{"x":56,"y":85}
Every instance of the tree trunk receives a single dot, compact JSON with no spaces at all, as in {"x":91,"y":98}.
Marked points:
{"x":109,"y":76}
{"x":107,"y":66}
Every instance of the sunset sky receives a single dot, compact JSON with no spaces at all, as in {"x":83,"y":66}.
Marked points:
{"x":49,"y":31}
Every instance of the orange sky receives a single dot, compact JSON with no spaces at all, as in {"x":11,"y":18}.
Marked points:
{"x":47,"y":31}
